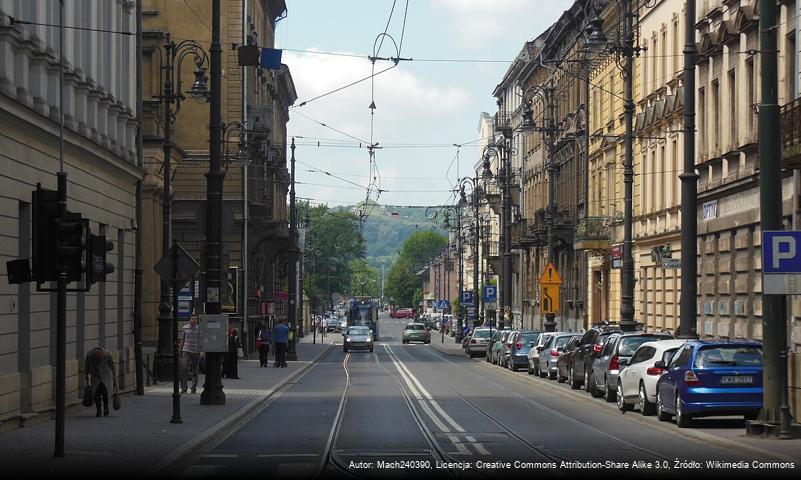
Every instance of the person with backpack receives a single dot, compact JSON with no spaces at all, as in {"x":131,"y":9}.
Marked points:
{"x":281,"y":336}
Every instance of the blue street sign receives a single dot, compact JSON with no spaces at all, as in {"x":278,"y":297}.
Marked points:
{"x":781,"y":252}
{"x":467,"y":298}
{"x":490,"y":294}
{"x":185,"y":302}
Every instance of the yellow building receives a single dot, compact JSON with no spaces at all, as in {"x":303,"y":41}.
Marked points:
{"x":260,"y":99}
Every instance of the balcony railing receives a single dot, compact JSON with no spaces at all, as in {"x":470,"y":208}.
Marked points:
{"x":791,"y":133}
{"x":593,"y":233}
{"x":503,"y":122}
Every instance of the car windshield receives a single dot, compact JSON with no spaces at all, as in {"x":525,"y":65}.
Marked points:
{"x":415,"y":326}
{"x":628,"y":345}
{"x":358,"y":331}
{"x":562,"y":341}
{"x":729,"y":356}
{"x":528,"y":337}
{"x":481,"y":333}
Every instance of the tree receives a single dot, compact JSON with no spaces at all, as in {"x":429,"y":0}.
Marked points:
{"x":402,"y":281}
{"x":364,"y":278}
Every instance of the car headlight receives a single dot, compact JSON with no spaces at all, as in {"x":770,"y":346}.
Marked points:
{"x":347,"y":339}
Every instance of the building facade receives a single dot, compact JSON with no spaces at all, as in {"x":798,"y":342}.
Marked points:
{"x":99,"y":133}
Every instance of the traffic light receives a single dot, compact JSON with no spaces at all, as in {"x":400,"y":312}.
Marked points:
{"x":71,"y":245}
{"x":99,"y":246}
{"x":45,"y":213}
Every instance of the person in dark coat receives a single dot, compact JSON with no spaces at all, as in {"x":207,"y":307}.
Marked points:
{"x":101,"y":374}
{"x":231,"y":359}
{"x":265,"y":340}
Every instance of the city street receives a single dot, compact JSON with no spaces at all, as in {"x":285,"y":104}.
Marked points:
{"x":446,"y":415}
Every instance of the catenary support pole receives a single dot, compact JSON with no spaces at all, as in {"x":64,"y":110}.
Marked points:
{"x":627,"y":271}
{"x":139,"y":232}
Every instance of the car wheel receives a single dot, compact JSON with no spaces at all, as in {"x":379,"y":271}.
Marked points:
{"x":620,"y":400}
{"x":560,"y":378}
{"x":544,"y":373}
{"x":586,"y":380}
{"x":646,"y":408}
{"x":751,"y":416}
{"x":661,"y":414}
{"x":512,"y":366}
{"x":610,"y":394}
{"x":682,"y":419}
{"x":530,"y":370}
{"x":594,"y":391}
{"x":571,"y":378}
{"x":428,"y":341}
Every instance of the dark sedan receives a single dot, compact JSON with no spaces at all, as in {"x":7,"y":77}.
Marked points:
{"x":614,"y":356}
{"x":565,"y":359}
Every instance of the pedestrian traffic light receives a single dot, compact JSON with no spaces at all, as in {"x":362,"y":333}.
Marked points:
{"x":99,"y":246}
{"x":45,"y":213}
{"x":71,"y":243}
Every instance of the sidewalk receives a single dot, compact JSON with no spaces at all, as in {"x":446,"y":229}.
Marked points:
{"x":450,"y":347}
{"x":138,"y":436}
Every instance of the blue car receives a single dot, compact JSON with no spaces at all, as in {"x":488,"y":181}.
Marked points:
{"x":518,"y":349}
{"x":710,"y":378}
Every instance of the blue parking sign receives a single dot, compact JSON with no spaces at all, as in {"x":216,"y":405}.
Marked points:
{"x":467,"y":298}
{"x":490,"y":294}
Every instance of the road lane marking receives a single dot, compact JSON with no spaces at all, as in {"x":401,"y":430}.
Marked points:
{"x":416,"y":394}
{"x":430,"y":398}
{"x":479,"y":447}
{"x":459,"y":445}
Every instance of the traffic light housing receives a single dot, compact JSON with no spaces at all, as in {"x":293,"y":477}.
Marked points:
{"x":99,"y":246}
{"x":71,"y":245}
{"x":45,"y":213}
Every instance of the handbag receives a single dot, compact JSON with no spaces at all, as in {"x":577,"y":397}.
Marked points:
{"x":240,"y":353}
{"x":115,"y":399}
{"x":87,"y":396}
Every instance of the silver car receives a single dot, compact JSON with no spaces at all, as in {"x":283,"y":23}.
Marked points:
{"x":358,"y":337}
{"x":478,"y":342}
{"x":534,"y":352}
{"x":547,"y":366}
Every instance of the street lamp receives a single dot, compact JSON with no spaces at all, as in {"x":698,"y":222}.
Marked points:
{"x":171,"y":57}
{"x":475,"y":230}
{"x":548,"y":127}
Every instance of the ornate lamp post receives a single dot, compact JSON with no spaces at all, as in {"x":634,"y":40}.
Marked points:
{"x":171,"y":57}
{"x":475,"y":229}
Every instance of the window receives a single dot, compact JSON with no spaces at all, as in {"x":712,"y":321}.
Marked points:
{"x":750,"y":94}
{"x":676,"y":57}
{"x":668,"y":354}
{"x":609,"y":346}
{"x":663,"y":177}
{"x":611,"y":195}
{"x":674,"y":175}
{"x":642,"y":354}
{"x":728,"y":356}
{"x":611,"y":97}
{"x":733,"y":109}
{"x":680,"y":359}
{"x":791,"y":70}
{"x":715,"y":116}
{"x":702,"y":132}
{"x":663,"y":58}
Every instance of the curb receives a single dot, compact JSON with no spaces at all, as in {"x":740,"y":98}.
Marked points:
{"x":687,"y":433}
{"x":177,"y":454}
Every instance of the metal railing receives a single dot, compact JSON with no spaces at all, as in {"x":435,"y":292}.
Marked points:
{"x":791,"y":123}
{"x":503,"y":122}
{"x":593,"y":228}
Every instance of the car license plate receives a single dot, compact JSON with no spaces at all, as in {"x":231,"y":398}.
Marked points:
{"x":737,"y":379}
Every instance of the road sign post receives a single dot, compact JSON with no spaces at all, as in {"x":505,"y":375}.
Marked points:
{"x":550,"y":281}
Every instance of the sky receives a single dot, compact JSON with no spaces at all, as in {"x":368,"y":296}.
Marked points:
{"x":422,"y":108}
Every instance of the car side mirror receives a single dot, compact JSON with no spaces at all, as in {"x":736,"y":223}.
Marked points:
{"x":660,"y":364}
{"x":623,"y":362}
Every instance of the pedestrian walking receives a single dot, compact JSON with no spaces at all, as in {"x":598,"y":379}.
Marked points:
{"x":190,"y":353}
{"x":101,"y":373}
{"x":281,"y":337}
{"x":264,"y":341}
{"x":231,"y":367}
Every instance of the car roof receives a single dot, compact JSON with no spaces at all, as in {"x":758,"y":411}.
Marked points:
{"x":716,"y":342}
{"x":665,"y":344}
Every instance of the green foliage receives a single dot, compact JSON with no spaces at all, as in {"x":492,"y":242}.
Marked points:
{"x":364,"y":278}
{"x":403,"y":283}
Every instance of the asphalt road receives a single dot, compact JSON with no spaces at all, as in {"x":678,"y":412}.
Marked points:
{"x":425,"y":413}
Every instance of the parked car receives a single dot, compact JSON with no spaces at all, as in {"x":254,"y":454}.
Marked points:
{"x":549,"y":356}
{"x":497,"y":347}
{"x":416,"y":332}
{"x":519,"y":347}
{"x":450,"y":324}
{"x":615,"y":354}
{"x":534,"y":353}
{"x":565,"y":357}
{"x":589,"y":347}
{"x":495,"y":335}
{"x":358,"y":337}
{"x":477,"y":343}
{"x":710,"y":378}
{"x":636,"y":382}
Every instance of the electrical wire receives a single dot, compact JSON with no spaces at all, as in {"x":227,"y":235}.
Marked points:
{"x":369,"y":77}
{"x":13,"y":20}
{"x":202,"y":22}
{"x":327,"y":126}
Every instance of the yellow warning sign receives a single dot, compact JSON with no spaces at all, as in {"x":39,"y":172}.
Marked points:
{"x":550,"y":276}
{"x":549,"y":298}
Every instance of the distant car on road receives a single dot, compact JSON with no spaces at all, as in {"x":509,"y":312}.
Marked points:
{"x":402,"y":313}
{"x":358,"y":337}
{"x":711,"y":378}
{"x":416,"y":332}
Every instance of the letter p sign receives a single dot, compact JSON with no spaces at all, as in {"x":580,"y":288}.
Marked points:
{"x":783,"y":248}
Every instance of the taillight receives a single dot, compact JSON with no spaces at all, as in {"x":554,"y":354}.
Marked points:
{"x":614,"y":363}
{"x":597,"y":348}
{"x":691,"y":379}
{"x":554,"y":352}
{"x":519,"y":346}
{"x":654,"y":371}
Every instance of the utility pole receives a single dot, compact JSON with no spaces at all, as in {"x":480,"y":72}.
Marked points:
{"x":138,"y":266}
{"x":291,"y":353}
{"x":775,"y":409}
{"x":627,"y":272}
{"x":213,"y":389}
{"x":550,"y":213}
{"x":689,"y":188}
{"x":506,"y":219}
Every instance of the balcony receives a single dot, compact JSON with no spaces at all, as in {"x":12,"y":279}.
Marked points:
{"x":503,"y":124}
{"x":791,"y":134}
{"x":520,"y":238}
{"x":593,"y":233}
